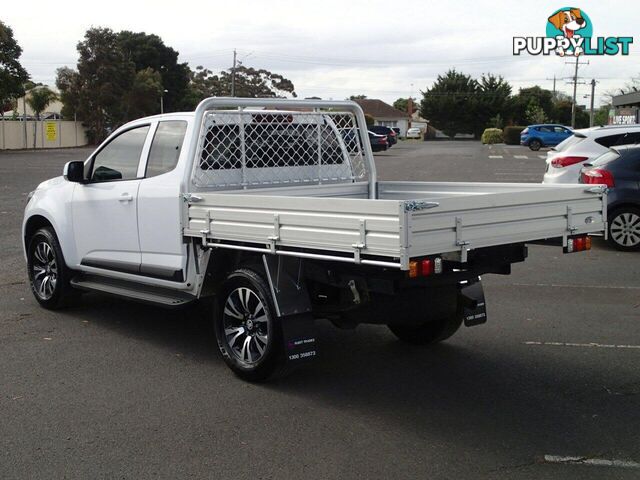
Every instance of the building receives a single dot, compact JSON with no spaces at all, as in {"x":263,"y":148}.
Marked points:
{"x":626,"y":109}
{"x":385,"y":114}
{"x":22,"y":108}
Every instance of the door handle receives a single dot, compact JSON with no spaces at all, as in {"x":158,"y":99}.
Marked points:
{"x":125,"y":197}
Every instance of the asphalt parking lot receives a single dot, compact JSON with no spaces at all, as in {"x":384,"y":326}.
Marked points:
{"x":548,"y":388}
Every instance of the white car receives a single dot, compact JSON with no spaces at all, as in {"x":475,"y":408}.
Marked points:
{"x":565,"y":161}
{"x":414,"y":132}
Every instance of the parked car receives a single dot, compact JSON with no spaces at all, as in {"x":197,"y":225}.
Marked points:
{"x":271,"y":216}
{"x":619,"y":170}
{"x":379,"y":143}
{"x":537,"y":136}
{"x":414,"y":132}
{"x":565,"y":161}
{"x":392,"y":137}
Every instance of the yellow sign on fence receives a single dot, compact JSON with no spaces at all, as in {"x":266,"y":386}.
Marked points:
{"x":51,"y":131}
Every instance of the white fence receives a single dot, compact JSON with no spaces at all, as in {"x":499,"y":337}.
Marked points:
{"x":48,"y":134}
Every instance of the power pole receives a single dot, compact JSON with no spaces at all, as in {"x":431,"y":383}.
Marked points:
{"x":575,"y":88}
{"x":233,"y":75}
{"x":554,"y":85}
{"x":593,"y":92}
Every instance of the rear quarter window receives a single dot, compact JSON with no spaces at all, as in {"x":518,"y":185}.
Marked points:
{"x":569,"y":142}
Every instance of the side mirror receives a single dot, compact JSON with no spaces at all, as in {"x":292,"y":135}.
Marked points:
{"x":74,"y":171}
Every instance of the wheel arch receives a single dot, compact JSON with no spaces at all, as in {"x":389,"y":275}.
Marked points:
{"x":32,"y":225}
{"x":614,"y":207}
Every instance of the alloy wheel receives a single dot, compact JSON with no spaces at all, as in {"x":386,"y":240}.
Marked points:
{"x":44,"y":270}
{"x":246,"y":326}
{"x":625,"y":229}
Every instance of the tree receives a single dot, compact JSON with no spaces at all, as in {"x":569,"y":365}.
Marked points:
{"x":492,"y":101}
{"x":528,"y":97}
{"x":69,"y":83}
{"x":148,"y":51}
{"x":249,"y":82}
{"x":105,"y":78}
{"x":202,"y":84}
{"x":601,"y":116}
{"x":39,"y":99}
{"x":144,"y":94}
{"x":535,"y":113}
{"x":256,"y":83}
{"x":402,"y":104}
{"x":357,"y":97}
{"x":450,"y":104}
{"x":562,"y":114}
{"x":12,"y":75}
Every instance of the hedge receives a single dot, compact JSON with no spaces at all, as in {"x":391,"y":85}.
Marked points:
{"x":491,"y":135}
{"x":512,"y":135}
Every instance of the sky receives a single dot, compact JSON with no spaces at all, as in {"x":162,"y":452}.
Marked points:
{"x":334,"y":49}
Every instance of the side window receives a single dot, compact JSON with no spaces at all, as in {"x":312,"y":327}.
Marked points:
{"x":119,"y":159}
{"x":166,"y":146}
{"x":610,"y":140}
{"x":560,"y":130}
{"x":544,"y":129}
{"x":629,"y":138}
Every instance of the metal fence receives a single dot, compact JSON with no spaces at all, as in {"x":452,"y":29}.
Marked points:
{"x":16,"y":134}
{"x":241,"y":149}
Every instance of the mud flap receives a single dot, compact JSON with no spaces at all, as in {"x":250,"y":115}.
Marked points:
{"x":299,"y":338}
{"x":472,"y":304}
{"x":293,"y":307}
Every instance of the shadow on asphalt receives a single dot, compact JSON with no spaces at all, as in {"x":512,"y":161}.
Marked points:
{"x":482,"y":397}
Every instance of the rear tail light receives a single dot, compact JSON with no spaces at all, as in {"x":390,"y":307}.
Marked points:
{"x":383,"y":140}
{"x":425,"y":267}
{"x":560,"y":162}
{"x":597,"y":176}
{"x":578,"y":244}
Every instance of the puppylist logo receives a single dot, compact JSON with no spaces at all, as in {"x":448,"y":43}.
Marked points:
{"x":570,"y":32}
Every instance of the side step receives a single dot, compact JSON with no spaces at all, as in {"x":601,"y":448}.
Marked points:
{"x":163,"y":297}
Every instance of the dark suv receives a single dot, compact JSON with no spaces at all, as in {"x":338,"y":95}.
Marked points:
{"x":392,"y":136}
{"x":619,"y":170}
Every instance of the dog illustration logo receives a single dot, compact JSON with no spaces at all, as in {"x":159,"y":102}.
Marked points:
{"x":566,"y":25}
{"x":568,"y":21}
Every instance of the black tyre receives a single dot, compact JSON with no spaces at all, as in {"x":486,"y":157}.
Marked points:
{"x":248,"y":332}
{"x":427,"y":333}
{"x":535,"y":145}
{"x":624,"y":229}
{"x":49,"y":276}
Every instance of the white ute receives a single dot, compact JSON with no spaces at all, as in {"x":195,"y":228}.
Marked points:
{"x":272,"y":209}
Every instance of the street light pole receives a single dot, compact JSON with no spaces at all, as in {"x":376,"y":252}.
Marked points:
{"x":593,"y":93}
{"x":162,"y":100}
{"x":233,"y":75}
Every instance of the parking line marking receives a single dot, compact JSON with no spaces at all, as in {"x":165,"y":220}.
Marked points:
{"x":496,"y":156}
{"x":583,"y":345}
{"x":597,"y":462}
{"x":560,"y":285}
{"x":543,"y":157}
{"x":520,"y":156}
